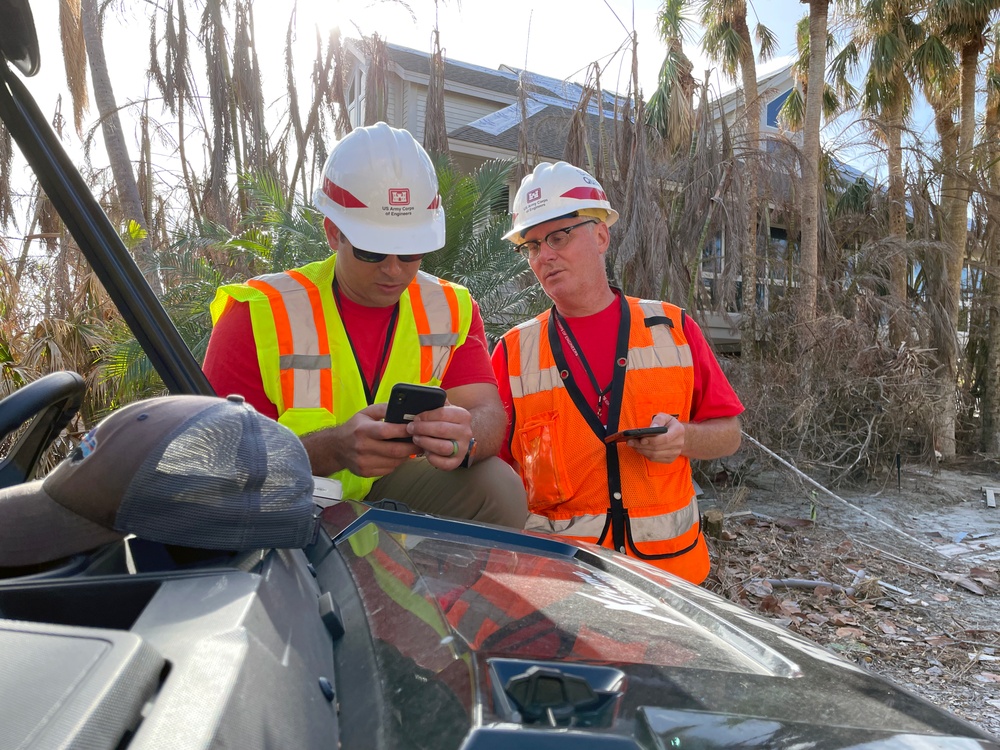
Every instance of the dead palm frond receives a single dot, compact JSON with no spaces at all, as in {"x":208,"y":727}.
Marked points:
{"x":435,"y":125}
{"x":74,"y":58}
{"x":376,"y":83}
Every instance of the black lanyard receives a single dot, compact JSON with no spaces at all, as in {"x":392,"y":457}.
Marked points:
{"x":372,"y":390}
{"x":577,"y":350}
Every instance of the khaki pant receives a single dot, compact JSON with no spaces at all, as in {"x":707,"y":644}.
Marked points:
{"x":489,"y":491}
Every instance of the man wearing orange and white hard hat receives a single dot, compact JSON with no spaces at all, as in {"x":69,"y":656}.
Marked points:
{"x":318,"y":348}
{"x":599,"y":363}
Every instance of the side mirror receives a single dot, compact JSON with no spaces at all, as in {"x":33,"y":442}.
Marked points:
{"x":18,"y":40}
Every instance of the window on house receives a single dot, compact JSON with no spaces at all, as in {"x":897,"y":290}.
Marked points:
{"x":711,"y":256}
{"x":356,"y":99}
{"x":777,"y":255}
{"x":773,"y":107}
{"x":776,"y":267}
{"x":712,"y":259}
{"x":761,"y":296}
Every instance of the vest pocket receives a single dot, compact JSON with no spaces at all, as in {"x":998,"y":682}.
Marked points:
{"x":664,"y":549}
{"x":542,"y":462}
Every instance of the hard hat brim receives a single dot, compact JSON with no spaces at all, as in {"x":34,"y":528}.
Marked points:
{"x":426,"y":237}
{"x":517,"y":232}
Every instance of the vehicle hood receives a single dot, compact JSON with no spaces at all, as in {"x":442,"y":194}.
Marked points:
{"x":500,"y":631}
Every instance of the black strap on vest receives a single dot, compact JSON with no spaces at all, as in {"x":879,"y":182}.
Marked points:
{"x":615,"y":503}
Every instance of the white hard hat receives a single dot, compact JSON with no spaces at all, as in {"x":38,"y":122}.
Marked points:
{"x":381,"y":190}
{"x":552,"y":191}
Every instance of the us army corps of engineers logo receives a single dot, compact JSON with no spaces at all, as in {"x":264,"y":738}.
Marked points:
{"x":399,"y":203}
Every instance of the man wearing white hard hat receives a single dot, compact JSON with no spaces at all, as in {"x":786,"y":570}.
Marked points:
{"x":318,"y":348}
{"x":599,"y":363}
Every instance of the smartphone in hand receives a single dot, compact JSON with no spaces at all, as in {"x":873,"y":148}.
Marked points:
{"x":639,"y":432}
{"x":406,"y":400}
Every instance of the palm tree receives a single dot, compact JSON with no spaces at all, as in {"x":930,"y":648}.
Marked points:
{"x":958,"y":31}
{"x":809,"y":214}
{"x":670,"y":110}
{"x":114,"y":141}
{"x":886,"y":33}
{"x":727,"y":40}
{"x":990,"y":442}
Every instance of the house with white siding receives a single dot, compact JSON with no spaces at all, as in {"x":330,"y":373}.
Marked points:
{"x":480,"y":105}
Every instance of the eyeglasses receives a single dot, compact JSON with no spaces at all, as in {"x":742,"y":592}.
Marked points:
{"x":556,"y":240}
{"x":369,"y":257}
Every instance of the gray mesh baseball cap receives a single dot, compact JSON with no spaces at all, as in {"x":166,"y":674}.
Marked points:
{"x":195,"y":471}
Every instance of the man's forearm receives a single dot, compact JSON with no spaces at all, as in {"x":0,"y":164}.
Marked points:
{"x":489,"y":424}
{"x":320,"y":447}
{"x":712,"y":438}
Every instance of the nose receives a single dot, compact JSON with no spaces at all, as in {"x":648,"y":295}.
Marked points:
{"x":544,"y":252}
{"x":391,"y":265}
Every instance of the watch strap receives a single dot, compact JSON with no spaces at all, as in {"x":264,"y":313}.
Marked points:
{"x":469,"y":454}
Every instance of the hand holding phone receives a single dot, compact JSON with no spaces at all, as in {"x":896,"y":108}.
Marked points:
{"x":635,"y":434}
{"x":406,"y":400}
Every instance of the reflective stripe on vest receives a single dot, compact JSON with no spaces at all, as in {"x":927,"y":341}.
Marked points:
{"x":644,"y":529}
{"x":662,"y":352}
{"x":303,"y":343}
{"x":434,"y":300}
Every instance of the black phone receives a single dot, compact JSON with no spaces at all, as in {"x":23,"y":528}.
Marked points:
{"x":639,"y":432}
{"x":406,"y":400}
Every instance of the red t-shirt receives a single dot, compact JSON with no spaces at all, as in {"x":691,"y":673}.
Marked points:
{"x":597,"y":337}
{"x":231,"y":360}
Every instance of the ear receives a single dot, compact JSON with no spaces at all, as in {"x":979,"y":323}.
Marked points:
{"x":332,"y":234}
{"x":603,"y":236}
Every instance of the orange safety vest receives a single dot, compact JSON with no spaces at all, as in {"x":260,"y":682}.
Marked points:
{"x":579,"y":486}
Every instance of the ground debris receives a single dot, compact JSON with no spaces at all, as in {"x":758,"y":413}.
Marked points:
{"x":899,"y":618}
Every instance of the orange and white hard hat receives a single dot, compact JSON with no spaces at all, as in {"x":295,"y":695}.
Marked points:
{"x":381,"y":190}
{"x":553,"y":191}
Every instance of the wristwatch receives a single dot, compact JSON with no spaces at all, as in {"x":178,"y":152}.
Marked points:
{"x":469,"y":454}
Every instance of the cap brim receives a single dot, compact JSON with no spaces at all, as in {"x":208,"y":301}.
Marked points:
{"x":35,"y":529}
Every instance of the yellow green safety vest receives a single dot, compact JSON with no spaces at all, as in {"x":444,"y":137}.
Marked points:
{"x":306,"y":361}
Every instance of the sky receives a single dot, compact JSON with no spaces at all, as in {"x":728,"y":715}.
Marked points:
{"x":545,"y":37}
{"x":559,"y":38}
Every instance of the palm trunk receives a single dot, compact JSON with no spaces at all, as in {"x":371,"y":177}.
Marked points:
{"x":990,"y":439}
{"x":809,"y":246}
{"x":898,"y":266}
{"x":958,"y":219}
{"x":751,"y":104}
{"x":114,"y":142}
{"x":944,"y":310}
{"x":956,"y":149}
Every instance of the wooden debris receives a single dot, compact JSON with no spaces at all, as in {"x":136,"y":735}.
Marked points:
{"x":712,"y":519}
{"x":991,"y":496}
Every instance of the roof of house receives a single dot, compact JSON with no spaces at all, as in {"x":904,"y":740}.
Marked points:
{"x":550,"y":103}
{"x":498,"y":81}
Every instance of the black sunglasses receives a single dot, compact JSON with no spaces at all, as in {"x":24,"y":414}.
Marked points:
{"x":368,"y":257}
